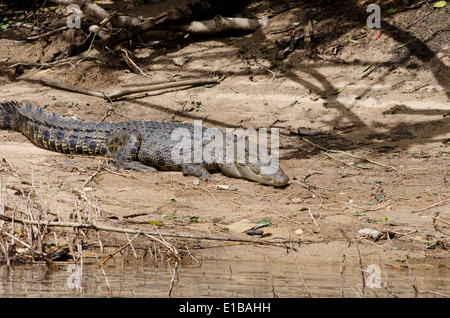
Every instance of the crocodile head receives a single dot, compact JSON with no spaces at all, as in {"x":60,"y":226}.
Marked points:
{"x":252,"y":171}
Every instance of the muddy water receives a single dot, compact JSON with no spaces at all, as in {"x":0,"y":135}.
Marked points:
{"x":215,"y":279}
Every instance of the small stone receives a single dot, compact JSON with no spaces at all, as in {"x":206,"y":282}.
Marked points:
{"x":180,"y":61}
{"x":296,"y":200}
{"x":366,"y":232}
{"x":254,"y":232}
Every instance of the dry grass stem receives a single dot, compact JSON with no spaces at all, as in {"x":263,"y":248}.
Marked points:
{"x":349,"y":154}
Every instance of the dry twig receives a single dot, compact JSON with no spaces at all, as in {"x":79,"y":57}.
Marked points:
{"x":119,"y":250}
{"x":68,"y":60}
{"x":349,"y":154}
{"x":432,"y":206}
{"x":24,"y":244}
{"x":35,"y":37}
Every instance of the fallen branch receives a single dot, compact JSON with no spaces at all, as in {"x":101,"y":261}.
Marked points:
{"x":128,"y":91}
{"x":98,"y":227}
{"x":182,"y":14}
{"x":64,"y":61}
{"x":97,"y":13}
{"x":72,"y":88}
{"x":289,"y":45}
{"x":24,"y":244}
{"x":220,"y":24}
{"x":155,"y":87}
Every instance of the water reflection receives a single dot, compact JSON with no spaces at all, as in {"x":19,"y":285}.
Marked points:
{"x":212,"y":279}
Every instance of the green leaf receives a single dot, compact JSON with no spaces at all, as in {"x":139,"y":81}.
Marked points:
{"x":63,"y":243}
{"x":194,"y":219}
{"x":322,"y":95}
{"x":440,"y":4}
{"x":354,"y":41}
{"x":313,"y":21}
{"x":364,"y":167}
{"x":340,"y":90}
{"x":391,"y":10}
{"x":405,"y":44}
{"x":243,"y":49}
{"x":157,"y":223}
{"x":168,"y":217}
{"x":173,"y":198}
{"x":262,"y":223}
{"x":5,"y":23}
{"x":366,"y":68}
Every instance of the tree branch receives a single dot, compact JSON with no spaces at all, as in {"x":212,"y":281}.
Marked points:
{"x":98,"y":227}
{"x":128,"y":91}
{"x":219,"y":24}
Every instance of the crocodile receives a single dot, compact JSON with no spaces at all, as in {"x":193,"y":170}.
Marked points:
{"x":138,"y":145}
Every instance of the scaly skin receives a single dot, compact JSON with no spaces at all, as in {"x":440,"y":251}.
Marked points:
{"x":139,"y":145}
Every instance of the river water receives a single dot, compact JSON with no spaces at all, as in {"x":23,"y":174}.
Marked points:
{"x":216,"y":278}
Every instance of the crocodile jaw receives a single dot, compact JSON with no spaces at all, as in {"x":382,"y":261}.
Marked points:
{"x":252,"y":172}
{"x":277,"y":179}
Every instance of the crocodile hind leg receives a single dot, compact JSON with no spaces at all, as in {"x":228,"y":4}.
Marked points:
{"x":123,"y":147}
{"x":136,"y":165}
{"x":190,"y":169}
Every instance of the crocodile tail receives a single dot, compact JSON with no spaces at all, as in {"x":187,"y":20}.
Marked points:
{"x":9,"y":115}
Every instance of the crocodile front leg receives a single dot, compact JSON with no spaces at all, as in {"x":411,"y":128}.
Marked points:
{"x":124,"y":147}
